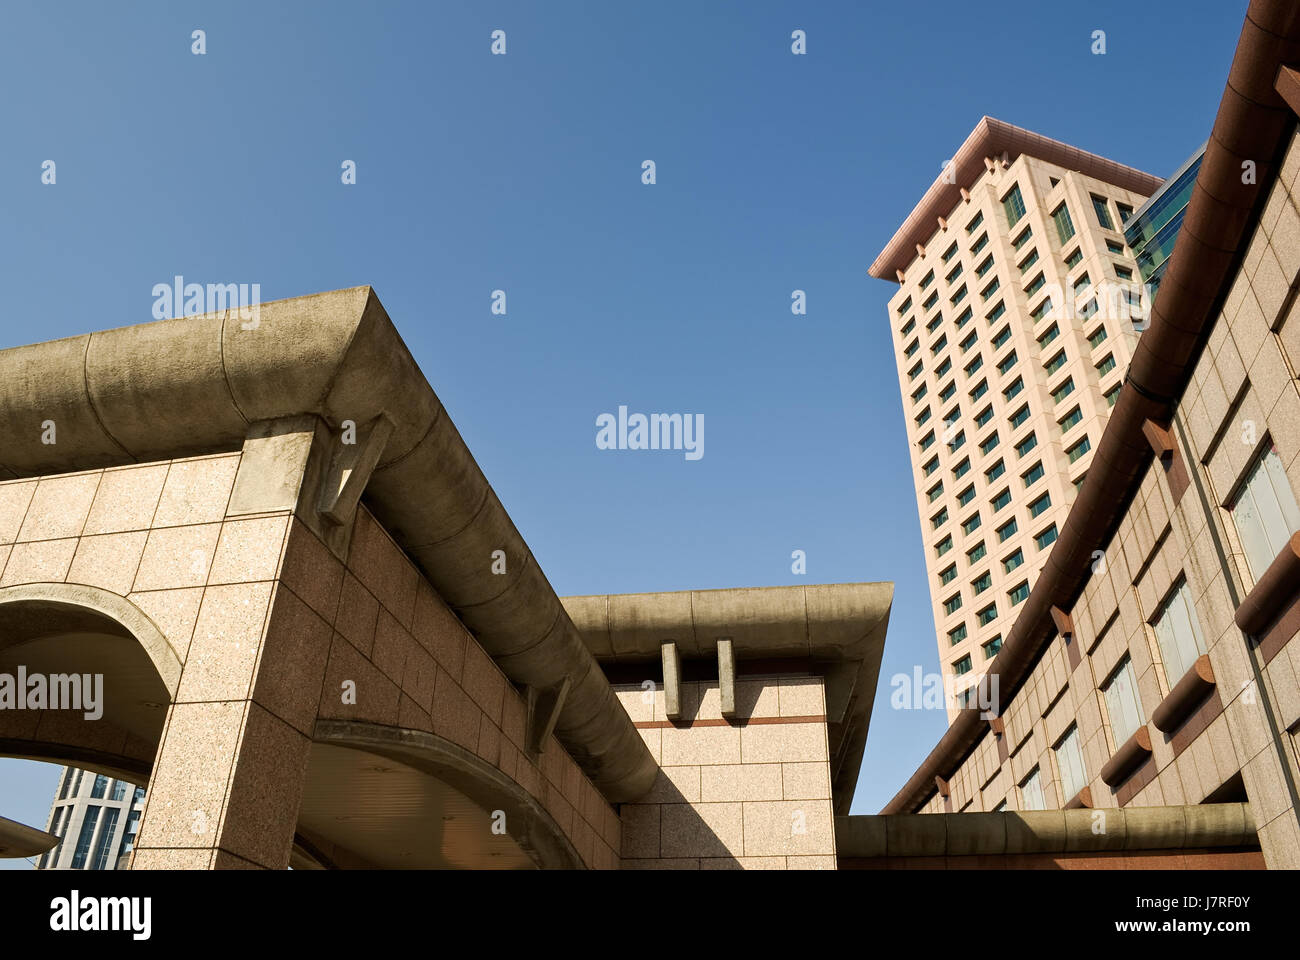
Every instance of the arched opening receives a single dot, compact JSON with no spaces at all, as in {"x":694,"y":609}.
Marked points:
{"x":385,"y":797}
{"x":85,"y":679}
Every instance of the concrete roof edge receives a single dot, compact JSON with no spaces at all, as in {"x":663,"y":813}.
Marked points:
{"x":193,"y":385}
{"x":1044,"y":831}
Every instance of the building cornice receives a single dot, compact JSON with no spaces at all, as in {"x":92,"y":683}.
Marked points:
{"x":994,"y":138}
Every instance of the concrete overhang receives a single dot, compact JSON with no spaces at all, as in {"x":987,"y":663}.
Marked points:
{"x":195,"y":385}
{"x":19,"y":840}
{"x":836,"y":630}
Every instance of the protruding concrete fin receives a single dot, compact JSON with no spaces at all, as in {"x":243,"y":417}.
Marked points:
{"x":1161,"y":440}
{"x":1064,"y":625}
{"x":350,"y":467}
{"x":727,"y":676}
{"x":544,"y":708}
{"x":672,"y":680}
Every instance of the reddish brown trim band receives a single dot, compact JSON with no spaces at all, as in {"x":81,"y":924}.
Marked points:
{"x":1127,"y":758}
{"x":1165,"y":447}
{"x":1279,"y":585}
{"x":1185,"y":697}
{"x":1082,"y":799}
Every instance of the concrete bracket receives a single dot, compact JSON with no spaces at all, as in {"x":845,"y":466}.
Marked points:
{"x":672,"y":680}
{"x":1064,"y":625}
{"x":1287,"y":84}
{"x":727,"y":676}
{"x":1159,"y":437}
{"x":349,"y":470}
{"x":544,"y":708}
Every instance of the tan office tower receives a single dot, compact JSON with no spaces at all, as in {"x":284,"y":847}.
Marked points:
{"x":1018,"y":309}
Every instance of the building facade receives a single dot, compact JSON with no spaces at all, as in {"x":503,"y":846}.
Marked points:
{"x":1156,"y":663}
{"x":96,"y":819}
{"x":1013,"y":325}
{"x":1153,"y":230}
{"x":323,"y":643}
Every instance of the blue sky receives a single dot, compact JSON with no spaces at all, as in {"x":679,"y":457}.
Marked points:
{"x":522,"y":173}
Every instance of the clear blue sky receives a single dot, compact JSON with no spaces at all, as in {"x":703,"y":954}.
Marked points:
{"x":523,"y":172}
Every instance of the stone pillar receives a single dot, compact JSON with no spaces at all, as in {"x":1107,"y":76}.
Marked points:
{"x":229,"y":771}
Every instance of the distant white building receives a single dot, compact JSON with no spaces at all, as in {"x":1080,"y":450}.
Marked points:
{"x":95,"y":818}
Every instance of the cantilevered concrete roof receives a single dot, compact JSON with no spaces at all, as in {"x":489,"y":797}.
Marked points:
{"x":839,"y":629}
{"x":993,"y":138}
{"x":194,"y":385}
{"x":19,"y":840}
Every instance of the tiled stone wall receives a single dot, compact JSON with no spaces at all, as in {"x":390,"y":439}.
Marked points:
{"x":1243,"y":394}
{"x":264,"y":618}
{"x":416,"y":666}
{"x":753,"y":792}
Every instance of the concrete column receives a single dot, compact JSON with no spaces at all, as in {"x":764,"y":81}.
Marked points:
{"x":229,"y":771}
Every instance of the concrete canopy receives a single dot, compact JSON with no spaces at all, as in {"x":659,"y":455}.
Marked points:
{"x":201,"y":384}
{"x":19,"y":840}
{"x":838,"y":629}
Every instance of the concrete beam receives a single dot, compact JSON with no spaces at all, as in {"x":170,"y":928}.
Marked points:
{"x":672,"y":662}
{"x":350,"y":467}
{"x":727,"y":676}
{"x":1045,"y":831}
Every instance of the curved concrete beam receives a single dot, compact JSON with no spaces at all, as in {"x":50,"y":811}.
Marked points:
{"x":1045,"y":831}
{"x":530,"y":825}
{"x":194,"y":385}
{"x":63,"y":606}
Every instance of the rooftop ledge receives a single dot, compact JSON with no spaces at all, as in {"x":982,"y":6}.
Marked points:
{"x":993,"y":138}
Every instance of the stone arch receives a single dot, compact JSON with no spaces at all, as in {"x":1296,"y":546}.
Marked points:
{"x":43,"y":626}
{"x":72,"y":596}
{"x":530,"y":825}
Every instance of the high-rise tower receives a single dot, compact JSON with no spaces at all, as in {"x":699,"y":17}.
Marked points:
{"x":1018,"y":308}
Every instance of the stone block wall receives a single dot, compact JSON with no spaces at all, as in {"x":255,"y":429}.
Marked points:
{"x":751,"y":792}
